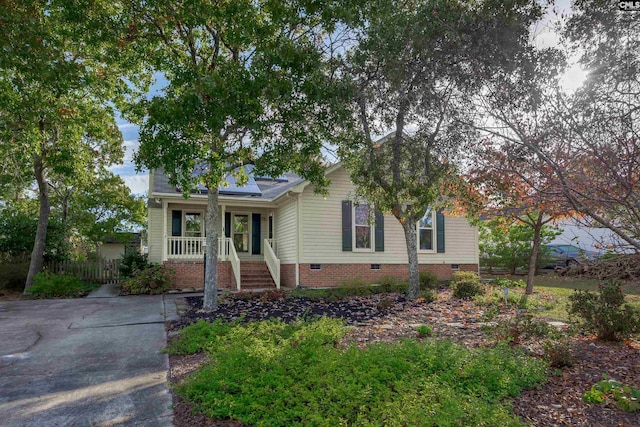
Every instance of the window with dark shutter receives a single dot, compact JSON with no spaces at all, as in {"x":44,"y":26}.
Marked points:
{"x":440,"y":232}
{"x":346,"y":226}
{"x":379,"y":232}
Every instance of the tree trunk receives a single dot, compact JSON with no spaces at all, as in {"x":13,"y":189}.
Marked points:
{"x":212,"y":228}
{"x":533,"y":258}
{"x":412,"y":253}
{"x":37,"y":254}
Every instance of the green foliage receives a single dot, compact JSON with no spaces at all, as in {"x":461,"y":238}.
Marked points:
{"x":13,"y":274}
{"x":524,"y":326}
{"x":606,"y":313}
{"x":466,"y":284}
{"x":626,"y":397}
{"x":509,"y":283}
{"x":509,"y":246}
{"x":194,"y":337}
{"x":272,"y":373}
{"x":558,"y":353}
{"x":18,"y":230}
{"x":152,"y":280}
{"x":342,"y":292}
{"x":132,"y":262}
{"x":50,"y":285}
{"x":353,"y":282}
{"x":428,"y":280}
{"x":424,"y":331}
{"x":428,"y":295}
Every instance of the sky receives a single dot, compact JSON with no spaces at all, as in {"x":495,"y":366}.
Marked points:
{"x":544,"y":35}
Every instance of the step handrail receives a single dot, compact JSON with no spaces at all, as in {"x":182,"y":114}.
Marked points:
{"x":273,"y":263}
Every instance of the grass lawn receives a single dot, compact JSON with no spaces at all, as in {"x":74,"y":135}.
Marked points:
{"x":551,"y":294}
{"x":270,"y":373}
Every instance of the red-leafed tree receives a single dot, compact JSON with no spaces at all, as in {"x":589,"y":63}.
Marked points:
{"x":507,"y":182}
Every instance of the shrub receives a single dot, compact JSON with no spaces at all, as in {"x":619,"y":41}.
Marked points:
{"x":353,"y":282}
{"x":558,"y":353}
{"x":132,"y":262}
{"x":524,"y":326}
{"x":466,"y":284}
{"x":428,"y":295}
{"x":428,"y":280}
{"x":424,"y":331}
{"x":49,"y":285}
{"x":13,"y":275}
{"x":153,"y":280}
{"x":626,"y":397}
{"x":605,"y":313}
{"x":509,"y":283}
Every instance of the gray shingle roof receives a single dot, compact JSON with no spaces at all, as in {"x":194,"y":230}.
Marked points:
{"x":271,"y":189}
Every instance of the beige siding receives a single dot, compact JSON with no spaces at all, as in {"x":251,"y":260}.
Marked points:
{"x":322,"y":232}
{"x":286,"y":232}
{"x":155,"y":235}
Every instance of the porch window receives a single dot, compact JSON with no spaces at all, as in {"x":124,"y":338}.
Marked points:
{"x":425,"y":230}
{"x":241,"y":232}
{"x":363,"y":231}
{"x":193,"y":224}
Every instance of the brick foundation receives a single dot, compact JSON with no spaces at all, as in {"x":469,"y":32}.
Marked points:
{"x":190,"y":274}
{"x":288,"y":275}
{"x":334,"y":274}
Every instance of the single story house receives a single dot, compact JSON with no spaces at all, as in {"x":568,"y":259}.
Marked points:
{"x":278,"y":232}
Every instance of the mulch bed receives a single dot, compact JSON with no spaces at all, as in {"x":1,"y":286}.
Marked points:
{"x":387,"y":318}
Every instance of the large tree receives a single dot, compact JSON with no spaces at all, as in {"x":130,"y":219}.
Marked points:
{"x":60,"y":64}
{"x":585,"y":143}
{"x":415,"y":66}
{"x":248,"y":83}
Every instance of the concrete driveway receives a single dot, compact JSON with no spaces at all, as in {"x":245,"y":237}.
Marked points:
{"x":84,"y":362}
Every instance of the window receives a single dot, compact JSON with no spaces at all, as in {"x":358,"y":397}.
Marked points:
{"x":241,"y":232}
{"x":363,"y":231}
{"x":314,"y":266}
{"x":375,"y":266}
{"x":426,"y":231}
{"x":193,"y":224}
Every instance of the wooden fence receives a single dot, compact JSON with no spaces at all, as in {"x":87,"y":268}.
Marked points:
{"x":107,"y":271}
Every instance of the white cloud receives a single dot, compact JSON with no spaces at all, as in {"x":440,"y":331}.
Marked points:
{"x":139,"y":184}
{"x":124,"y":126}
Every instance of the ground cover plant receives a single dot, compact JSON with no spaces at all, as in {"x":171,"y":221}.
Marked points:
{"x":376,"y":318}
{"x":274,"y":373}
{"x":50,"y":285}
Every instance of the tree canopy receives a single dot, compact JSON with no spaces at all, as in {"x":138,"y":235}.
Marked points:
{"x":249,"y":83}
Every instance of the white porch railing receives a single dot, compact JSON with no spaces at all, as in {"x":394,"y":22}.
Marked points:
{"x":273,"y":263}
{"x":235,"y":261}
{"x":185,"y":247}
{"x":274,"y":245}
{"x":195,"y":248}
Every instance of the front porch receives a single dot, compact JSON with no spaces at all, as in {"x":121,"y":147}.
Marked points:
{"x":182,"y":249}
{"x":248,"y":237}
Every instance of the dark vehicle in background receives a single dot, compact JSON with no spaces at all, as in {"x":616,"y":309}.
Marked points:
{"x":566,"y":255}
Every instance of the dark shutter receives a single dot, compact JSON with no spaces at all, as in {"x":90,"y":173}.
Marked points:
{"x":176,"y":223}
{"x":347,"y":239}
{"x":227,"y":224}
{"x":440,"y":232}
{"x":255,"y":233}
{"x":379,"y":230}
{"x":271,"y":227}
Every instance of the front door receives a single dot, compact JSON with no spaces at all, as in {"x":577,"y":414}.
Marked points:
{"x":255,"y":234}
{"x":241,"y":233}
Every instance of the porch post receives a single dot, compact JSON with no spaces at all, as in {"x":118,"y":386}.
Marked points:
{"x":164,"y":230}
